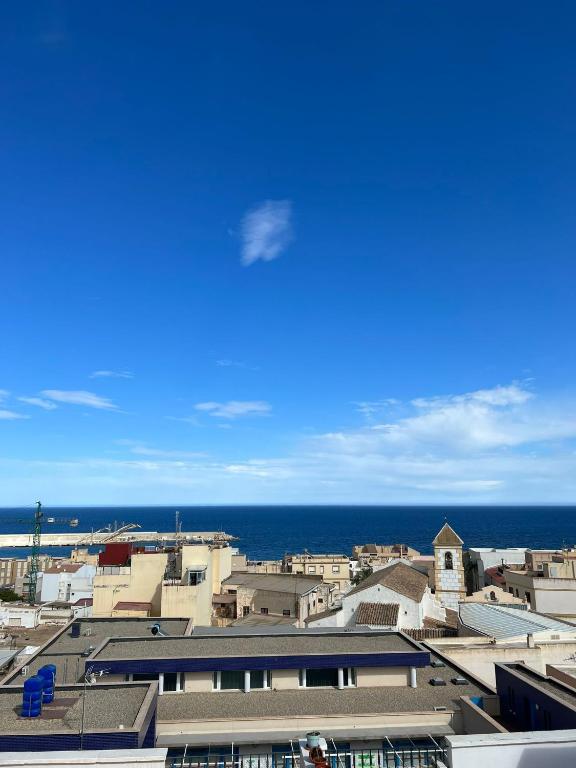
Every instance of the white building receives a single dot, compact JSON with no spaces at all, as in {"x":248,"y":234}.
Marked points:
{"x":396,"y":597}
{"x":67,"y":582}
{"x":482,"y":558}
{"x":19,"y":615}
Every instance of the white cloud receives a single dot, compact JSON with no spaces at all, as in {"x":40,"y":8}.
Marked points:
{"x":3,"y":395}
{"x":6,"y":415}
{"x":39,"y":402}
{"x":500,"y":445}
{"x":266,"y":231}
{"x":235,"y":408}
{"x":111,"y":375}
{"x":79,"y":397}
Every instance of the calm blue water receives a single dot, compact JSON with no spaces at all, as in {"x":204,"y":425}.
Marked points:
{"x":269,"y":532}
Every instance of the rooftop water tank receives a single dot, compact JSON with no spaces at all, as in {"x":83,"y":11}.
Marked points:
{"x":48,"y":675}
{"x":75,"y":630}
{"x":32,"y":697}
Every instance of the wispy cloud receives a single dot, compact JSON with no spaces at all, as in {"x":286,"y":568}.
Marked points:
{"x":142,"y":449}
{"x":233,"y":409}
{"x":39,"y":402}
{"x":235,"y":364}
{"x":266,"y":231}
{"x":79,"y":397}
{"x":3,"y":395}
{"x":111,"y":375}
{"x":6,"y":415}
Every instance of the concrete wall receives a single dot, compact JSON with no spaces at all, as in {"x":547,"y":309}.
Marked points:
{"x":140,"y":758}
{"x":275,"y":729}
{"x":552,"y":749}
{"x":372,"y":677}
{"x":198,"y":682}
{"x":476,"y":720}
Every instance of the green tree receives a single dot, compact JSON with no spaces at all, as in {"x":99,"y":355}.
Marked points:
{"x":8,"y":595}
{"x":361,"y":575}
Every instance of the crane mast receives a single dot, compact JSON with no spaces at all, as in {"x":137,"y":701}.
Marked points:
{"x":36,"y":539}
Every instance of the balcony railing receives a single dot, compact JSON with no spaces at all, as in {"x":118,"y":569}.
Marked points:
{"x":394,"y":753}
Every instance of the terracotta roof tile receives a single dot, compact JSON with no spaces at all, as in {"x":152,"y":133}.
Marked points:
{"x":378,"y":614}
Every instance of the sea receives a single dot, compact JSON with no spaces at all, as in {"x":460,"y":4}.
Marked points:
{"x":269,"y":532}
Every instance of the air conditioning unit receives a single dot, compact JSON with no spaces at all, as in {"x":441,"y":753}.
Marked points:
{"x":437,"y":681}
{"x":459,"y":681}
{"x":24,"y":670}
{"x":440,"y":709}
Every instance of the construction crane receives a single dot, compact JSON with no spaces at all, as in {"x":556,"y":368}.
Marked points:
{"x":37,"y":521}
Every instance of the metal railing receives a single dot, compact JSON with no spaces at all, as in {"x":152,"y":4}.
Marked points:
{"x":396,"y":753}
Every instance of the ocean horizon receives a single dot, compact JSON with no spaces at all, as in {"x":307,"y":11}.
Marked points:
{"x":270,"y":531}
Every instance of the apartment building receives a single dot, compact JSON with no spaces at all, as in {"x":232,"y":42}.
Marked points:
{"x":547,"y":585}
{"x":333,"y":569}
{"x":370,"y":555}
{"x":66,"y":582}
{"x":274,"y":598}
{"x":161,"y":583}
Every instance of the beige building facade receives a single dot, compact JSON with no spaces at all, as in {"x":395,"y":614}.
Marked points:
{"x":333,"y":569}
{"x":173,"y":584}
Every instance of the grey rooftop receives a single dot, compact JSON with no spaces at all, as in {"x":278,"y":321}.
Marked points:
{"x":321,"y":701}
{"x":108,"y":708}
{"x":218,"y":646}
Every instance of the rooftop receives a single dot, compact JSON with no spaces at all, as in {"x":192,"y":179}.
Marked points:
{"x":274,"y":582}
{"x":66,"y":652}
{"x":555,"y":687}
{"x":219,"y":646}
{"x":64,"y":568}
{"x":110,"y":706}
{"x":124,"y":605}
{"x":321,"y":701}
{"x":501,"y":622}
{"x":378,"y":614}
{"x":400,"y":577}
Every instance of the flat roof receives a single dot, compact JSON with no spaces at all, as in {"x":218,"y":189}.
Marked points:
{"x":320,"y":702}
{"x":548,"y":684}
{"x":108,"y":708}
{"x":69,"y":653}
{"x":263,"y":645}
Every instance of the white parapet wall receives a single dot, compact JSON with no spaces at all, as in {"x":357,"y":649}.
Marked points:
{"x":107,"y":758}
{"x":535,"y":749}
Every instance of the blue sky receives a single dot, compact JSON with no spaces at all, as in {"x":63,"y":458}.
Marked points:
{"x":287,"y":252}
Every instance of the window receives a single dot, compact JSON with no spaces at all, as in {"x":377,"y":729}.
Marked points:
{"x":311,"y":569}
{"x":171,"y":682}
{"x":236,"y":680}
{"x":321,"y":569}
{"x":286,"y":612}
{"x":245,"y":610}
{"x":492,"y":595}
{"x":448,"y":562}
{"x":260,"y":678}
{"x":142,"y":677}
{"x":517,"y":592}
{"x":335,"y":569}
{"x":349,"y":677}
{"x":511,"y":590}
{"x":228,"y":680}
{"x":320,"y":600}
{"x":528,"y":598}
{"x":264,"y":611}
